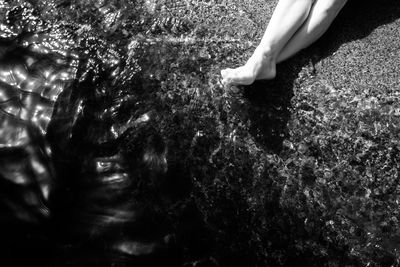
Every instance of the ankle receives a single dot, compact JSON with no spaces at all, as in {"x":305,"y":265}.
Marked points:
{"x":266,"y":52}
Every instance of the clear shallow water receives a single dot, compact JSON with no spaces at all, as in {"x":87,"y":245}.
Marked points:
{"x":120,"y":147}
{"x":85,"y":176}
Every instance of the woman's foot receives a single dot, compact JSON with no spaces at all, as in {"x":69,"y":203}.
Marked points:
{"x":260,"y":66}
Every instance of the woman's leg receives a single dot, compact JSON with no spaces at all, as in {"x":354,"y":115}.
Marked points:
{"x":294,"y":25}
{"x":321,"y":17}
{"x":287,"y":18}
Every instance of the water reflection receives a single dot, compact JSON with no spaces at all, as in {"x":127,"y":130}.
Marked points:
{"x":78,"y":169}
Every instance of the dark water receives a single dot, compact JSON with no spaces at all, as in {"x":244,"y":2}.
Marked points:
{"x":95,"y":157}
{"x":119,"y":146}
{"x":80,"y":161}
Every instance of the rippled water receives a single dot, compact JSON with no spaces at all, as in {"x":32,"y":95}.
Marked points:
{"x":119,"y":146}
{"x":83,"y":161}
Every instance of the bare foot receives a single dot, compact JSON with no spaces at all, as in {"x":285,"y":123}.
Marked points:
{"x":260,"y":66}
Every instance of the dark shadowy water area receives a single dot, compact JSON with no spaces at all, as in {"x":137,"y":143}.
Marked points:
{"x":120,"y":147}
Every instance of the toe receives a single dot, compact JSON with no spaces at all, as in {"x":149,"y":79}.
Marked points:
{"x":225,"y":82}
{"x":225,"y":73}
{"x":226,"y":76}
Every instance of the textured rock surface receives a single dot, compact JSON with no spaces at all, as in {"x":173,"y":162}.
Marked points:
{"x":153,"y":163}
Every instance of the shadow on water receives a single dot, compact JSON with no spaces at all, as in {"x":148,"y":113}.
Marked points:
{"x":99,"y":206}
{"x":269,"y":101}
{"x":356,"y":21}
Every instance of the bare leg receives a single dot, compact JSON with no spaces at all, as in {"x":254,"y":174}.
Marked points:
{"x":287,"y":18}
{"x":321,"y":17}
{"x":294,"y":25}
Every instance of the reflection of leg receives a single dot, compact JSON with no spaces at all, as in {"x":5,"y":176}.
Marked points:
{"x":288,"y":16}
{"x":320,"y":18}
